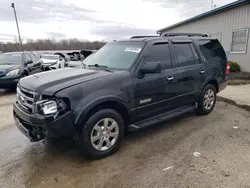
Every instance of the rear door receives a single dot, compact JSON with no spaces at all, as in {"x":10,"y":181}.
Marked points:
{"x":191,"y":71}
{"x":153,"y":91}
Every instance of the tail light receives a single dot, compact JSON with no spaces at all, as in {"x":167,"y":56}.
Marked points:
{"x":227,"y":68}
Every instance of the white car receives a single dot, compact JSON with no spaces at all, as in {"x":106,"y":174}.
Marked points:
{"x":52,"y":62}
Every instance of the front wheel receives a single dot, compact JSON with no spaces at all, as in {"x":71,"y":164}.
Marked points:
{"x":207,"y":100}
{"x":102,"y":134}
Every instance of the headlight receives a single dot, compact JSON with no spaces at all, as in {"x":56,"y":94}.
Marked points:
{"x":13,"y":72}
{"x":49,"y":107}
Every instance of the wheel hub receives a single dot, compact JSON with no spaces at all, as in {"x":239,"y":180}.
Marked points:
{"x":209,"y":99}
{"x":104,"y":134}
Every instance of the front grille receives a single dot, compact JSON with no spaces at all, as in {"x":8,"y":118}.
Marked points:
{"x":26,"y":99}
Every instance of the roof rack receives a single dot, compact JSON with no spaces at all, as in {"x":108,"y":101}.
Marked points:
{"x":185,"y":34}
{"x":137,"y":37}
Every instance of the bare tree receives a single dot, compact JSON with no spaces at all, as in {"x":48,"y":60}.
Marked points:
{"x":52,"y":44}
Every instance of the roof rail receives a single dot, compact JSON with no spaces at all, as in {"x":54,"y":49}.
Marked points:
{"x":185,"y":34}
{"x":137,"y":37}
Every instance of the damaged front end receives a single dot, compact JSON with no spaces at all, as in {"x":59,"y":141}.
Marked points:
{"x":38,"y":116}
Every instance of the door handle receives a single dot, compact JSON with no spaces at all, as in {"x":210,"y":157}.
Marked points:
{"x":202,"y":72}
{"x":170,"y":78}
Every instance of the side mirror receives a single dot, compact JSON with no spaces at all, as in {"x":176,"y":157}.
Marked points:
{"x":28,"y":62}
{"x":151,"y":68}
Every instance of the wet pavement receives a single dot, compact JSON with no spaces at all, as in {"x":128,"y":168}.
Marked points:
{"x":160,"y":156}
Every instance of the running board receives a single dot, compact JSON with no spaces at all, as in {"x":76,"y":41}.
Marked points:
{"x":160,"y":118}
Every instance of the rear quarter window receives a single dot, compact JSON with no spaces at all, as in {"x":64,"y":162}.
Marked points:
{"x":212,"y":51}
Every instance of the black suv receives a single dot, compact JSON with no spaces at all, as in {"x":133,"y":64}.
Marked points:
{"x":16,"y":65}
{"x":128,"y":85}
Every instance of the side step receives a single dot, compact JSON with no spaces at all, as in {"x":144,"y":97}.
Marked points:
{"x":160,"y":118}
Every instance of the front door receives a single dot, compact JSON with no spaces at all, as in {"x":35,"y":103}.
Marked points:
{"x":153,"y":91}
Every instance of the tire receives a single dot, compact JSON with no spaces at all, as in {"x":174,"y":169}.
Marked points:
{"x":105,"y":144}
{"x":207,"y":100}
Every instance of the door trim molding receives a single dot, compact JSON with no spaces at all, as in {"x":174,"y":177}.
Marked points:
{"x":166,"y":99}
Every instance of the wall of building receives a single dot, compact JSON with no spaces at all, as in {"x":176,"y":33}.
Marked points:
{"x":224,"y":23}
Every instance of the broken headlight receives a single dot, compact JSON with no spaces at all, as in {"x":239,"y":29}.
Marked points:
{"x":51,"y":106}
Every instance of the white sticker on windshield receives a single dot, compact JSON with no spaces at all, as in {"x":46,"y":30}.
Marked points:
{"x":131,"y":49}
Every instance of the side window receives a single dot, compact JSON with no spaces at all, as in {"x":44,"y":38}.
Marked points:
{"x":185,"y":55}
{"x":32,"y":57}
{"x":160,"y":53}
{"x":212,"y":50}
{"x":27,"y":58}
{"x":36,"y":57}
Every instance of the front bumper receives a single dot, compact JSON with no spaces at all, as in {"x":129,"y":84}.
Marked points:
{"x":50,"y":66}
{"x":36,"y":127}
{"x":7,"y":82}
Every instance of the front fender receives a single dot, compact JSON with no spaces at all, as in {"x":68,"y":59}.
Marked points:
{"x":105,"y":95}
{"x":82,"y":110}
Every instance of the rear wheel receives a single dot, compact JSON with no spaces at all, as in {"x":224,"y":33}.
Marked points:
{"x":207,"y":100}
{"x":102,"y":134}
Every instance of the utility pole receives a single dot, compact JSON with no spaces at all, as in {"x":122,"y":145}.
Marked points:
{"x":20,"y":40}
{"x":212,"y":4}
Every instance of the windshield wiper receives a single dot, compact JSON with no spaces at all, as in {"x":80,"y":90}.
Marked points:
{"x":104,"y":67}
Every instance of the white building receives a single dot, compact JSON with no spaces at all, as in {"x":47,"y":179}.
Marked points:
{"x":229,"y":23}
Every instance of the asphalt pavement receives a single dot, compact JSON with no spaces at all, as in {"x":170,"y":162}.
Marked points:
{"x":187,"y":152}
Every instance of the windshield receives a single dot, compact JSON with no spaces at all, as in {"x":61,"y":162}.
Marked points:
{"x":50,"y":57}
{"x":116,"y":55}
{"x":10,"y":59}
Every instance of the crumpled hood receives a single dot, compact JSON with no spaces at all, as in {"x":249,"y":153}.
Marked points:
{"x":48,"y":83}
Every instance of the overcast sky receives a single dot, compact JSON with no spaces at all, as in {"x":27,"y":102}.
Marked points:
{"x":95,"y":19}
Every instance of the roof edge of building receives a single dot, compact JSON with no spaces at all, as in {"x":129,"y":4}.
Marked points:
{"x":206,"y":14}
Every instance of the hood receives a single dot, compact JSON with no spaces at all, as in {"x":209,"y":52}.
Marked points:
{"x":7,"y":68}
{"x":49,"y":61}
{"x":48,"y":83}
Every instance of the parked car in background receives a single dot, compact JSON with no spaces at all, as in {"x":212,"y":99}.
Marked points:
{"x":51,"y":62}
{"x":73,"y":57}
{"x":75,"y":64}
{"x":146,"y":81}
{"x":16,"y":65}
{"x":65,"y":56}
{"x":87,"y":53}
{"x":80,"y":64}
{"x":78,"y":55}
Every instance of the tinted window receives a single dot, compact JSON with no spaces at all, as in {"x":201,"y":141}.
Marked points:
{"x":212,"y":50}
{"x":159,"y":53}
{"x":185,"y":55}
{"x":27,"y":58}
{"x":36,"y":57}
{"x":196,"y":57}
{"x":33,"y":57}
